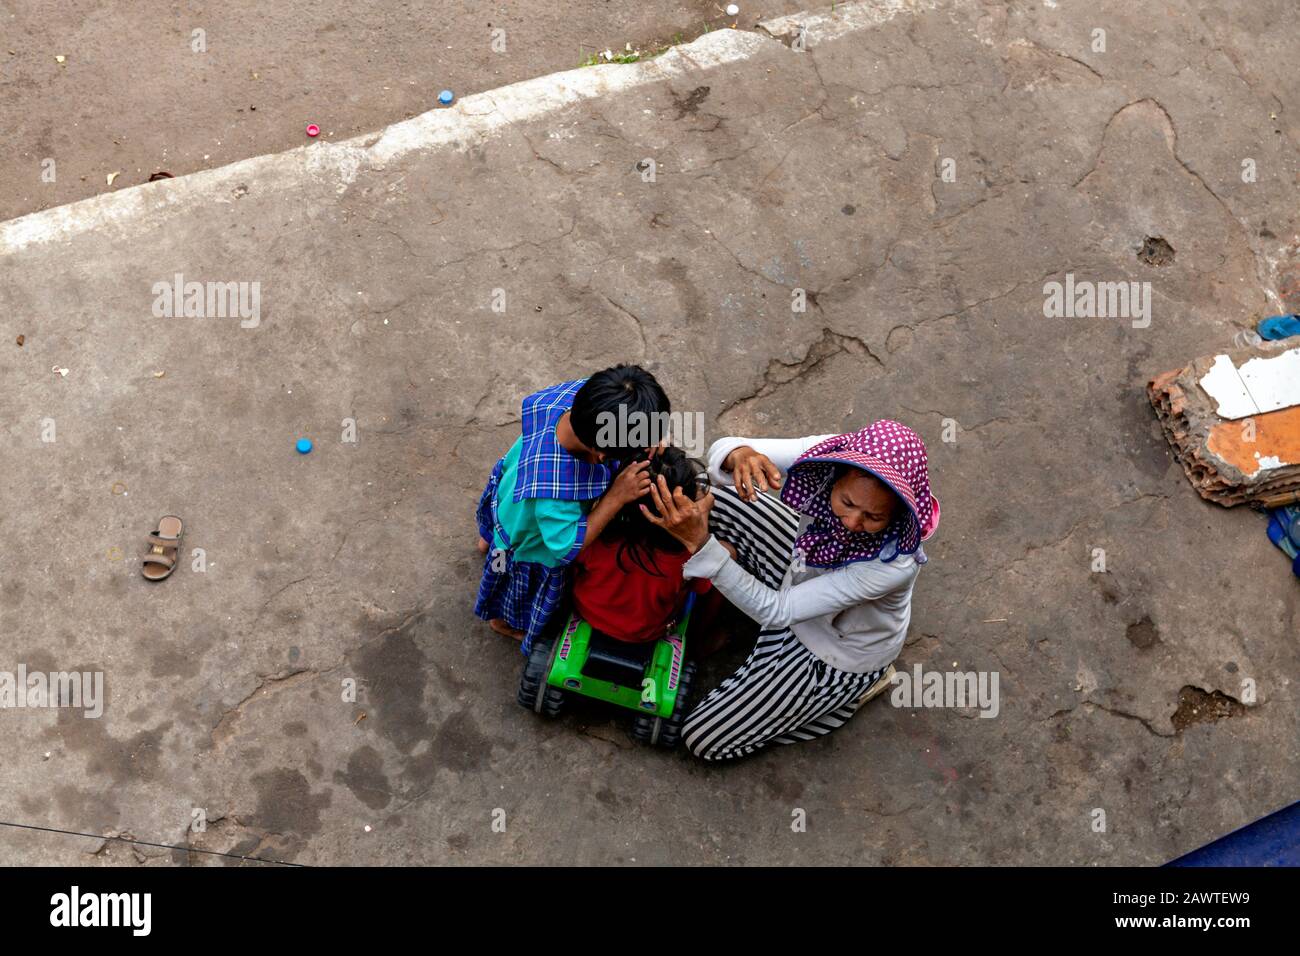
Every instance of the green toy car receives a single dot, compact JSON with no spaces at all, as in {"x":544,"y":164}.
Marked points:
{"x":653,"y":678}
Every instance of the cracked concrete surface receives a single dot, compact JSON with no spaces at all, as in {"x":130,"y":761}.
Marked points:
{"x":776,"y":170}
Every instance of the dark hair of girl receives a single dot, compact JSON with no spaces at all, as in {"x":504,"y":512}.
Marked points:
{"x":640,"y":540}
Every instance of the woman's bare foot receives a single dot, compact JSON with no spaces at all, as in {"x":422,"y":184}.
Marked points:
{"x":501,"y":627}
{"x":482,"y":546}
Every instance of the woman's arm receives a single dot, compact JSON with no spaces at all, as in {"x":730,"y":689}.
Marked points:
{"x":759,"y":457}
{"x":688,"y":521}
{"x":827,"y":593}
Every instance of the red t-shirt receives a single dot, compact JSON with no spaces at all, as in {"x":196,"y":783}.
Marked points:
{"x":627,"y":603}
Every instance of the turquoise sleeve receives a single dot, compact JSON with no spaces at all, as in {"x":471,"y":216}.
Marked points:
{"x":562,"y":526}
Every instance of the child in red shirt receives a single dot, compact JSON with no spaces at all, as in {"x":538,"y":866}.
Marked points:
{"x":628,"y":583}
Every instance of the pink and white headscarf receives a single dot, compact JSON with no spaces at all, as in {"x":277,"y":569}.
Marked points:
{"x":893,"y":453}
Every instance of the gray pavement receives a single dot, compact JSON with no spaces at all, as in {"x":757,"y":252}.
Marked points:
{"x":776,"y":169}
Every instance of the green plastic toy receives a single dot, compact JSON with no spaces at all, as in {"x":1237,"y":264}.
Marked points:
{"x":653,"y":678}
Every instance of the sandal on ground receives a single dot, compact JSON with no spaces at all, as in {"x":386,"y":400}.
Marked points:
{"x":164,"y":549}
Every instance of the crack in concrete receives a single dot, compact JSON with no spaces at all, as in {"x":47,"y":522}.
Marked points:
{"x":1220,"y":48}
{"x":1114,"y":711}
{"x":278,"y":592}
{"x":486,"y":250}
{"x":1005,"y":419}
{"x":518,"y":128}
{"x":230,"y":827}
{"x":1170,"y":131}
{"x":223,"y":729}
{"x":913,"y":326}
{"x":997,"y":191}
{"x":1025,"y":41}
{"x":735,"y":258}
{"x":780,"y":374}
{"x":636,"y":322}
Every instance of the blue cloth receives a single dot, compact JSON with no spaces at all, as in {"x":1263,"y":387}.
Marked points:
{"x":1272,"y":841}
{"x":549,"y":531}
{"x":546,"y":469}
{"x":485,"y":516}
{"x":526,"y":595}
{"x":1278,"y":327}
{"x":1284,"y":531}
{"x":1287,"y":522}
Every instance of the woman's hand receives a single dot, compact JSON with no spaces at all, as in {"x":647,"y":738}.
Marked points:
{"x":684,"y":519}
{"x":752,"y":471}
{"x":630,"y":484}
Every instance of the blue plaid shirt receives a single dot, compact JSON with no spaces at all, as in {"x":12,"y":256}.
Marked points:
{"x":546,"y":470}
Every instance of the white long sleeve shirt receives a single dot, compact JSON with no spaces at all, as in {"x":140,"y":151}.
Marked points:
{"x":854,"y":618}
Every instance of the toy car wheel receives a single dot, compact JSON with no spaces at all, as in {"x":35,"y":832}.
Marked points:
{"x":666,"y":732}
{"x":644,"y":729}
{"x":534,"y":692}
{"x":553,"y":702}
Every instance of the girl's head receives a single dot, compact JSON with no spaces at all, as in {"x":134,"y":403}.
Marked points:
{"x":638,"y":539}
{"x":619,"y":413}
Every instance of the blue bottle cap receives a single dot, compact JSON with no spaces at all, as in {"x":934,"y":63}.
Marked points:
{"x":445,"y":97}
{"x":304,"y":445}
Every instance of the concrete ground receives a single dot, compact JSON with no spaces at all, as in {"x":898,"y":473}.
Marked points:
{"x":775,"y":170}
{"x":139,"y":91}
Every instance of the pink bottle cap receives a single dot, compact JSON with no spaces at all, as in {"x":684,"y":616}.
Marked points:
{"x":313,"y":130}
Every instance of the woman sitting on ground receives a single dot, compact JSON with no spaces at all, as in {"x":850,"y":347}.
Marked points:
{"x":826,"y":571}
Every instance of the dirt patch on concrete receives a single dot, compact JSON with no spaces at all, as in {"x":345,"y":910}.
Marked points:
{"x":1143,"y":634}
{"x":1196,"y":706}
{"x":1156,"y":251}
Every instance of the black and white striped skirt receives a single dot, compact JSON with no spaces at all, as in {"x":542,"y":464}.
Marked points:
{"x":782,"y":693}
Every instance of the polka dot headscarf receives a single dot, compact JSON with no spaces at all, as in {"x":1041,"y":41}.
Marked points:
{"x":893,"y":453}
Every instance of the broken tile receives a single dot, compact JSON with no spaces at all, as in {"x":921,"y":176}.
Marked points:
{"x":1233,"y":458}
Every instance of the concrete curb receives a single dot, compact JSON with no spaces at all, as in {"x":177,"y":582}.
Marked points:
{"x":137,"y":209}
{"x":846,"y":18}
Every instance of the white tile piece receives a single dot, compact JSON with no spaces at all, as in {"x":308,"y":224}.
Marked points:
{"x":1224,"y":385}
{"x":1273,"y":382}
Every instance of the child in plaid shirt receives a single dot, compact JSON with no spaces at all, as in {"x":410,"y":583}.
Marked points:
{"x":551,"y":494}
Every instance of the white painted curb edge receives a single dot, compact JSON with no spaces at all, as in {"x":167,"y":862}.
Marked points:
{"x":138,"y":209}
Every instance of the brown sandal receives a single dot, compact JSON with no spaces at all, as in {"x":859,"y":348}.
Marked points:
{"x":164,"y":549}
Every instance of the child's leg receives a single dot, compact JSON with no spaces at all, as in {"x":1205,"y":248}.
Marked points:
{"x":521,"y":598}
{"x":503,"y":594}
